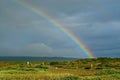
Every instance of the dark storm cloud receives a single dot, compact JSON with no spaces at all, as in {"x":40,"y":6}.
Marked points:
{"x":95,"y":22}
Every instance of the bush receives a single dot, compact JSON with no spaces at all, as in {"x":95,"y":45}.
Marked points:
{"x":71,"y":78}
{"x":42,"y":67}
{"x":116,"y":76}
{"x":54,"y":63}
{"x":99,"y":68}
{"x":87,"y":68}
{"x":107,"y":72}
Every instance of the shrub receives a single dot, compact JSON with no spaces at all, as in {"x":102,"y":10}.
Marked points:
{"x":99,"y":68}
{"x":71,"y":78}
{"x":87,"y":68}
{"x":107,"y":72}
{"x":116,"y":76}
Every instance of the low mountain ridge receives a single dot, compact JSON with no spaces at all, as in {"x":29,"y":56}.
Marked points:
{"x":29,"y":58}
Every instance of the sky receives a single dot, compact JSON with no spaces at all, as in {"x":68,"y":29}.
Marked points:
{"x":96,"y":23}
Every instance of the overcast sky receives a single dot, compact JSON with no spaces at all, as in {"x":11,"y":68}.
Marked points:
{"x":25,"y":33}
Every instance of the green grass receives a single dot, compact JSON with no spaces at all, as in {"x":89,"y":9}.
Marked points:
{"x":33,"y":76}
{"x":59,"y":74}
{"x":76,"y":70}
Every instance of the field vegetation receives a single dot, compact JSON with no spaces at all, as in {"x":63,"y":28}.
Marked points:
{"x":83,"y":69}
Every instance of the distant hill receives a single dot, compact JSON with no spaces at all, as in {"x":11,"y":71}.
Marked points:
{"x":27,"y":58}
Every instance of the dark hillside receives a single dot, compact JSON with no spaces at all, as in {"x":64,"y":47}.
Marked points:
{"x":35,"y":59}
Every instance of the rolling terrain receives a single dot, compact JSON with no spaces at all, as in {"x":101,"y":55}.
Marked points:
{"x":80,"y":69}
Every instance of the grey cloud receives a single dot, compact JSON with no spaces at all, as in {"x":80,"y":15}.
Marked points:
{"x":95,"y":22}
{"x":109,"y":53}
{"x":36,"y":49}
{"x":41,"y":49}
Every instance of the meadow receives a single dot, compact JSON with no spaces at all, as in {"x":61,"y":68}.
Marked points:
{"x":84,"y":69}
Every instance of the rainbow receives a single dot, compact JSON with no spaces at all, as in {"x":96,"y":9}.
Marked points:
{"x":59,"y":26}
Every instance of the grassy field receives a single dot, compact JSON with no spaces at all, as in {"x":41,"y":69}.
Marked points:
{"x":49,"y":71}
{"x":58,"y":74}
